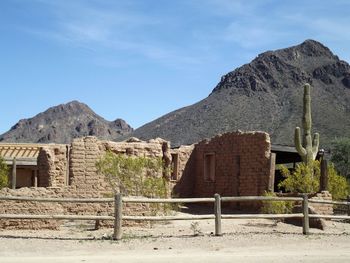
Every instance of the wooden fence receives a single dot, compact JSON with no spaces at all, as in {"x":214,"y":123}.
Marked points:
{"x":217,"y":216}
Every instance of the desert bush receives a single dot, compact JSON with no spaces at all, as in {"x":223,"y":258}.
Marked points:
{"x":306,"y":179}
{"x":136,"y":176}
{"x":338,"y":186}
{"x":4,"y":170}
{"x":276,"y":207}
{"x":132,"y":175}
{"x":340,"y":156}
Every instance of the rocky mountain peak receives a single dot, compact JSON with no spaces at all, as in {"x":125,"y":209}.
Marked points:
{"x":62,"y":123}
{"x":266,"y":95}
{"x":286,"y":67}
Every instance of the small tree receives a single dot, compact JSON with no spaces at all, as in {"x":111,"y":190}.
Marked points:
{"x":131,"y":175}
{"x":4,"y":170}
{"x":341,"y":156}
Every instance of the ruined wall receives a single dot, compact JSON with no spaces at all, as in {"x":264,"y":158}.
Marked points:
{"x":83,"y":177}
{"x":53,"y":165}
{"x":85,"y":152}
{"x":17,"y":207}
{"x":59,"y":165}
{"x":84,"y":181}
{"x":241,"y":162}
{"x":50,"y":208}
{"x":184,"y":183}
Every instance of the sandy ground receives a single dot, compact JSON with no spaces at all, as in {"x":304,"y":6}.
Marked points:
{"x":180,"y":241}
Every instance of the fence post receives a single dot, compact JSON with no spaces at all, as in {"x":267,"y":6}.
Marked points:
{"x":118,"y":204}
{"x":348,"y":205}
{"x":217,"y":212}
{"x":324,"y":176}
{"x":305,"y":206}
{"x":14,"y":173}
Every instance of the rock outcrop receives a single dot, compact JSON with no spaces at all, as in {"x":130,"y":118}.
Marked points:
{"x":266,"y":95}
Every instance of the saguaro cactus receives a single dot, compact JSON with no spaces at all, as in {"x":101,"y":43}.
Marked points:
{"x":309,"y":151}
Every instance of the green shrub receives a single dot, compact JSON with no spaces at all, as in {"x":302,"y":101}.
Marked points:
{"x":340,"y":151}
{"x":303,"y":179}
{"x":136,"y":176}
{"x":276,"y":207}
{"x":4,"y":170}
{"x":338,"y":186}
{"x":306,"y":179}
{"x":131,"y":175}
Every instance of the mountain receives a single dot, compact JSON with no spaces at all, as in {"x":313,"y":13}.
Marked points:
{"x":266,"y":95}
{"x":62,"y":123}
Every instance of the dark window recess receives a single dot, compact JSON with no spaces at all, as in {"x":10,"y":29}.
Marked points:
{"x":174,"y":166}
{"x":209,"y":167}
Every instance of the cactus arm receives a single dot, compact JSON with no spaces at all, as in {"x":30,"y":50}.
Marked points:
{"x":298,"y":145}
{"x":315,"y":145}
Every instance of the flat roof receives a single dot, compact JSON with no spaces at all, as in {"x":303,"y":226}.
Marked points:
{"x":283,"y":148}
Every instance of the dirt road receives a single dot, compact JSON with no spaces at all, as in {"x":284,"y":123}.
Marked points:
{"x":244,"y":240}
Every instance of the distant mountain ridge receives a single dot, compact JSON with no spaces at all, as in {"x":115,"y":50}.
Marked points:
{"x":266,"y":95}
{"x":62,"y":123}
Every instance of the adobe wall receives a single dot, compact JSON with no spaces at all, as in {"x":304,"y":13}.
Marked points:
{"x":49,"y":208}
{"x":184,"y":184}
{"x":75,"y":166}
{"x":53,"y":165}
{"x":82,"y":181}
{"x":242,"y":164}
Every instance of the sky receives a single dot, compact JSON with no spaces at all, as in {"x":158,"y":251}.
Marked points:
{"x":138,"y":60}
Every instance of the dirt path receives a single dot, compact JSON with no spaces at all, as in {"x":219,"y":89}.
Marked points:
{"x":243,"y":240}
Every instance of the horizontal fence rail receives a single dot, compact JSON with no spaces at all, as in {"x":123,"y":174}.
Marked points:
{"x":168,"y":200}
{"x":329,"y":202}
{"x":264,"y":216}
{"x":168,"y":218}
{"x":118,"y":216}
{"x":259,"y":198}
{"x":59,"y":200}
{"x":57,"y":217}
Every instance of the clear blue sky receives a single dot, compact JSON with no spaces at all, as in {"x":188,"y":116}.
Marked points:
{"x":138,"y":60}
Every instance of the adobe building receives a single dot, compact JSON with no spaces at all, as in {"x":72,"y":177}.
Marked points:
{"x":70,"y":172}
{"x":22,"y":159}
{"x":231,"y":164}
